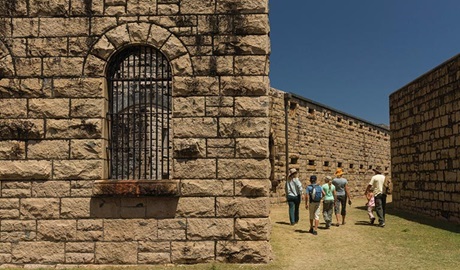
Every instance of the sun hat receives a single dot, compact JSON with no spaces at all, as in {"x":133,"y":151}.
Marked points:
{"x":292,"y":171}
{"x":377,"y":170}
{"x":328,"y":178}
{"x":339,"y":172}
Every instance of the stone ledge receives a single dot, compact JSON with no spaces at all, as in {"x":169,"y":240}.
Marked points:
{"x":135,"y":188}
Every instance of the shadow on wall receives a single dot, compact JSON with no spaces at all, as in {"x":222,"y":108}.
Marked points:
{"x":147,"y":207}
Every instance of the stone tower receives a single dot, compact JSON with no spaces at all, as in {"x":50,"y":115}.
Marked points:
{"x":134,"y":131}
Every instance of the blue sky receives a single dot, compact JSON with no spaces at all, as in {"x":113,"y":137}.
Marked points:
{"x":351,"y":55}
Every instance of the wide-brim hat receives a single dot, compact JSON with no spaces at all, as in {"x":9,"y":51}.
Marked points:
{"x":377,"y":170}
{"x":339,"y":172}
{"x":292,"y":171}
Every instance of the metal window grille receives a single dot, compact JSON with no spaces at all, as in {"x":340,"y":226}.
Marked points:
{"x":139,"y":80}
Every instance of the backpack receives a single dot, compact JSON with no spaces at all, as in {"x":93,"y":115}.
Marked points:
{"x":315,"y":193}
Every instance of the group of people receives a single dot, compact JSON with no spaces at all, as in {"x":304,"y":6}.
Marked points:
{"x":335,"y":195}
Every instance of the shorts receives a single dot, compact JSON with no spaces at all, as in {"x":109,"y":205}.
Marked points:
{"x":314,"y":210}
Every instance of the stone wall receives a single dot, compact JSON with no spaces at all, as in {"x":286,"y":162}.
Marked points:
{"x":425,"y":125}
{"x":57,"y":205}
{"x":322,"y":139}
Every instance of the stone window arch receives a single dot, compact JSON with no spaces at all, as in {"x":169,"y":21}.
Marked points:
{"x":139,"y":81}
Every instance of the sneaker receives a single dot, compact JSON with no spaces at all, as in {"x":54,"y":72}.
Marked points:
{"x":315,"y":233}
{"x":337,"y":224}
{"x":372,"y":220}
{"x":382,"y":225}
{"x":311,"y":230}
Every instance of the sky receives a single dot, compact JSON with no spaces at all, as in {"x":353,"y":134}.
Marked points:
{"x":351,"y":55}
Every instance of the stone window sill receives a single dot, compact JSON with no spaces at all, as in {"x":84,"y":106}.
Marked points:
{"x":136,"y":188}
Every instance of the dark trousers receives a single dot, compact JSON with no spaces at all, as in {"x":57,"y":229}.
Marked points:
{"x":294,"y":203}
{"x":328,"y":206}
{"x":380,"y":205}
{"x":341,"y":203}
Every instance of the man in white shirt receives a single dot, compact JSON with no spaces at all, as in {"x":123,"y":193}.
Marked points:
{"x":377,"y":184}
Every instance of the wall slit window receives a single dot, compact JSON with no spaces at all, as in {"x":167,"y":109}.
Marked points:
{"x":139,"y":83}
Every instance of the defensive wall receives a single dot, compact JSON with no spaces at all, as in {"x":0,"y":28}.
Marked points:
{"x":134,"y":132}
{"x":317,"y":139}
{"x":425,"y":143}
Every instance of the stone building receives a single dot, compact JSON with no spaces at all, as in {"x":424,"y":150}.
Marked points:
{"x":134,"y":132}
{"x":425,"y":125}
{"x":317,"y":139}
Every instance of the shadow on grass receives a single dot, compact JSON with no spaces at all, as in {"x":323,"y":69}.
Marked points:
{"x":425,"y":220}
{"x":364,"y":223}
{"x":283,"y":223}
{"x":301,"y":231}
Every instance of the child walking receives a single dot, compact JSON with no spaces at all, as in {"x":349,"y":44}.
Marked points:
{"x":370,"y":206}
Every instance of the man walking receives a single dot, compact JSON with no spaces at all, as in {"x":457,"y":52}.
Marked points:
{"x":377,"y":184}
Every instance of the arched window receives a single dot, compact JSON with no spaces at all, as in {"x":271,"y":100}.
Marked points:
{"x":139,"y":83}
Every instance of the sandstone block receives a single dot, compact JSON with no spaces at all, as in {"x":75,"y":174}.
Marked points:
{"x":12,"y":150}
{"x":196,"y":207}
{"x":63,"y":66}
{"x":189,"y":148}
{"x":78,"y":169}
{"x":75,"y":207}
{"x":79,"y":258}
{"x":199,"y":86}
{"x":191,"y":106}
{"x":48,"y":8}
{"x":246,"y":45}
{"x":16,"y":236}
{"x":242,"y":207}
{"x":9,"y":203}
{"x":252,"y":188}
{"x":94,"y":67}
{"x":79,"y":88}
{"x":245,"y":86}
{"x":252,"y":106}
{"x":194,"y":127}
{"x":5,"y":247}
{"x":206,"y":188}
{"x":247,"y":24}
{"x":74,"y":129}
{"x":7,"y":66}
{"x":25,"y":27}
{"x":18,"y":225}
{"x":161,"y":207}
{"x":51,"y":189}
{"x":25,"y":169}
{"x":86,"y":149}
{"x":243,"y":168}
{"x":88,"y":108}
{"x":63,"y":27}
{"x":25,"y":88}
{"x":141,"y":7}
{"x":244,"y":251}
{"x":158,"y":36}
{"x":79,"y":46}
{"x":198,"y":168}
{"x":39,"y":208}
{"x":90,"y":225}
{"x":249,"y":6}
{"x":203,"y":7}
{"x":56,"y":230}
{"x":154,"y":258}
{"x":172,"y":229}
{"x":182,"y":66}
{"x":154,"y":247}
{"x":192,"y":252}
{"x":38,"y":252}
{"x":21,"y":129}
{"x":100,"y":25}
{"x":79,"y":247}
{"x":244,"y":127}
{"x":39,"y":47}
{"x":168,"y":9}
{"x":48,"y":149}
{"x":119,"y":36}
{"x":116,"y":253}
{"x":103,"y":48}
{"x":252,"y":148}
{"x":5,"y":258}
{"x":139,"y":230}
{"x":206,"y":229}
{"x":252,"y":229}
{"x":28,"y":67}
{"x":13,"y":108}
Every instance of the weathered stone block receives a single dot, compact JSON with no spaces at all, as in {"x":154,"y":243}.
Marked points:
{"x":75,"y":207}
{"x":28,"y":67}
{"x":79,"y":88}
{"x":78,"y":169}
{"x":48,"y":108}
{"x":116,"y":252}
{"x":244,"y":127}
{"x":172,"y":229}
{"x":243,"y":168}
{"x":196,"y":207}
{"x":56,"y":230}
{"x":154,"y":258}
{"x":207,"y":188}
{"x":88,"y":108}
{"x":141,"y":7}
{"x":206,"y":229}
{"x":191,"y":106}
{"x":252,"y":148}
{"x":195,"y":127}
{"x":51,"y":189}
{"x":12,"y":150}
{"x":86,"y":149}
{"x":202,"y":7}
{"x":74,"y":129}
{"x":38,"y":252}
{"x":245,"y":86}
{"x":139,"y":230}
{"x":237,"y":6}
{"x":192,"y":252}
{"x":189,"y":148}
{"x":252,"y":106}
{"x":90,"y":225}
{"x":39,"y":47}
{"x":21,"y":129}
{"x":246,"y":45}
{"x":62,"y":27}
{"x":48,"y":149}
{"x":79,"y":258}
{"x":25,"y":27}
{"x":79,"y":247}
{"x":242,"y":207}
{"x":244,"y":251}
{"x":9,"y":203}
{"x":63,"y":66}
{"x":182,"y":66}
{"x":48,"y":8}
{"x":252,"y":188}
{"x":199,"y":86}
{"x":43,"y":208}
{"x":25,"y":169}
{"x":79,"y":46}
{"x":103,"y":48}
{"x":18,"y":225}
{"x":252,"y":229}
{"x":198,"y":168}
{"x":13,"y":108}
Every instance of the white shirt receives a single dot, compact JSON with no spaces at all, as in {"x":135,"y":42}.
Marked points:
{"x":377,"y":183}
